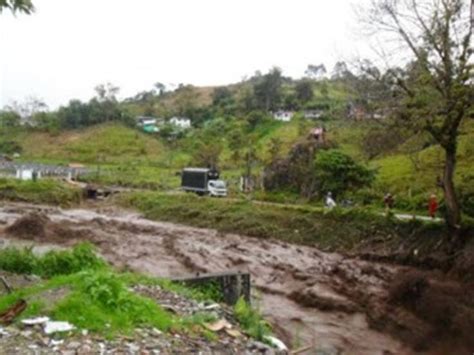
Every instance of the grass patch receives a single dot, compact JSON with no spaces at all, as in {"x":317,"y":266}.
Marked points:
{"x":251,"y":321}
{"x":53,"y":263}
{"x":340,"y":229}
{"x":96,"y":298}
{"x":41,"y":191}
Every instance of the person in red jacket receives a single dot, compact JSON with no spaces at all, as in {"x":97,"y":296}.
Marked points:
{"x":432,"y":206}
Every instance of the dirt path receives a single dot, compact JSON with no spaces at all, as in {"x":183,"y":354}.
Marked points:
{"x":312,"y":298}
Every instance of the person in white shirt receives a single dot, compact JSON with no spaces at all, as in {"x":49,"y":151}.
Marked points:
{"x":330,"y":203}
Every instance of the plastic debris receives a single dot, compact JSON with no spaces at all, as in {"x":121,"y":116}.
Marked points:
{"x":219,"y":325}
{"x":3,"y":332}
{"x":233,"y":333}
{"x":51,"y":327}
{"x":276,"y":343}
{"x":211,"y":307}
{"x":35,"y":321}
{"x":56,"y":342}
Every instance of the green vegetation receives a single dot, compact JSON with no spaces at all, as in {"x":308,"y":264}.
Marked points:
{"x":42,"y":191}
{"x":80,"y":288}
{"x":53,"y":263}
{"x":251,"y":320}
{"x":338,"y":229}
{"x":93,"y":296}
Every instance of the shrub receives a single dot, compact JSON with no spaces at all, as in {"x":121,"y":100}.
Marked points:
{"x":53,"y":263}
{"x":339,"y":173}
{"x":251,"y":320}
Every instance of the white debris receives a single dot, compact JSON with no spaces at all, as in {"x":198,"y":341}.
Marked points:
{"x":276,"y":343}
{"x":35,"y":321}
{"x":56,"y":342}
{"x":57,"y":327}
{"x":3,"y":332}
{"x":211,"y":307}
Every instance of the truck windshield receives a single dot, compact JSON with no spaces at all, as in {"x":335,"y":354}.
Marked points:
{"x":217,"y":184}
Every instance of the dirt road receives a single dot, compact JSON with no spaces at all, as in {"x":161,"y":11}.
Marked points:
{"x":328,"y":301}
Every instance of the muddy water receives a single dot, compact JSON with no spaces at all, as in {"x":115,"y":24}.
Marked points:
{"x":312,"y":298}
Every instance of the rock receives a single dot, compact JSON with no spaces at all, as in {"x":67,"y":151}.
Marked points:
{"x":73,"y":345}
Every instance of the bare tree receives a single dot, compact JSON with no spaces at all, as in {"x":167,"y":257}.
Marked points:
{"x":436,"y":87}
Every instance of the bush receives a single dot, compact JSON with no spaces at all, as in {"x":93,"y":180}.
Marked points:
{"x":53,"y":263}
{"x":251,"y":320}
{"x":10,"y":147}
{"x":339,"y":173}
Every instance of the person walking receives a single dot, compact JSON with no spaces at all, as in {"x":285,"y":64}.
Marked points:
{"x":389,"y":202}
{"x":432,"y":206}
{"x":330,"y":203}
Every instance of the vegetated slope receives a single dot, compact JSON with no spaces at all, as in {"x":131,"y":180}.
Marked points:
{"x":107,"y":143}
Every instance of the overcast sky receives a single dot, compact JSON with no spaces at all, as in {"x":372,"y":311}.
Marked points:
{"x":67,"y":47}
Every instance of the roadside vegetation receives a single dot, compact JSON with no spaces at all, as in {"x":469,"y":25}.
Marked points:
{"x":339,"y":229}
{"x":44,"y":191}
{"x":79,"y":287}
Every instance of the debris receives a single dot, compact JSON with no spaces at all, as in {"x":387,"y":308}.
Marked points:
{"x":211,"y":307}
{"x":301,"y":350}
{"x":35,"y":321}
{"x":6,"y":285}
{"x":233,"y":333}
{"x":11,"y":313}
{"x":56,"y":327}
{"x":276,"y":343}
{"x":219,"y":325}
{"x":3,"y":332}
{"x":56,"y":342}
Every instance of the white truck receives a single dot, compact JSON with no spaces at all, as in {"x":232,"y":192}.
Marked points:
{"x":203,"y":181}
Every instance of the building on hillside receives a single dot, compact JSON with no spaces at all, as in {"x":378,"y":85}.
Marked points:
{"x":149,"y":124}
{"x":313,"y":114}
{"x":284,"y":116}
{"x":181,"y":122}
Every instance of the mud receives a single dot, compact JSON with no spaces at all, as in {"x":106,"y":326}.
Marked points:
{"x":334,"y":303}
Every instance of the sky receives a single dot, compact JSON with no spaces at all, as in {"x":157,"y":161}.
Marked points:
{"x":67,"y":47}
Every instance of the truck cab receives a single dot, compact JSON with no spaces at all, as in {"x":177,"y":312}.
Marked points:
{"x":217,"y":188}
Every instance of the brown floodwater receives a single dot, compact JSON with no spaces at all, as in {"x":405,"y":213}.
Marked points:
{"x":326,"y":301}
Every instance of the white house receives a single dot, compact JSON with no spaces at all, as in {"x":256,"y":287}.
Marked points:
{"x":181,"y":122}
{"x":284,"y":116}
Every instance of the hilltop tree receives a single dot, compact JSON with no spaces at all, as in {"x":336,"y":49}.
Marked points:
{"x":160,"y":87}
{"x":340,"y":71}
{"x":436,"y":93}
{"x":267,"y":90}
{"x":304,"y":91}
{"x":316,"y":72}
{"x":24,"y":6}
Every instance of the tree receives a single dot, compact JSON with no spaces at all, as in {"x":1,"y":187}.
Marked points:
{"x":24,"y":6}
{"x":221,"y":96}
{"x":160,"y":87}
{"x":316,"y":72}
{"x":340,"y":71}
{"x":436,"y":89}
{"x":304,"y":91}
{"x":9,"y":118}
{"x":267,"y":90}
{"x":28,"y":108}
{"x":338,"y":173}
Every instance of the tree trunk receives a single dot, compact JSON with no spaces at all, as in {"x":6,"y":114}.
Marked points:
{"x":453,"y":213}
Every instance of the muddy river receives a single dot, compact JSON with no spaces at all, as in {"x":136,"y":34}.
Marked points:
{"x":326,"y":301}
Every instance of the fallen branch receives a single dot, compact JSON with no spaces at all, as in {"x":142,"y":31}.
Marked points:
{"x":11,"y":313}
{"x":5,"y":284}
{"x":301,"y":350}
